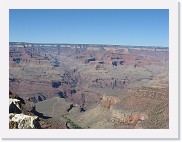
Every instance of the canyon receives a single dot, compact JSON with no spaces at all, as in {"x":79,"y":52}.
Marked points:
{"x":89,"y":86}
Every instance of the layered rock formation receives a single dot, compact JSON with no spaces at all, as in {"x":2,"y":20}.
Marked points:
{"x":120,"y":117}
{"x":44,"y":74}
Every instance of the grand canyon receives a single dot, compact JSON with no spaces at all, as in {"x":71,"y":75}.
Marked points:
{"x":88,"y":86}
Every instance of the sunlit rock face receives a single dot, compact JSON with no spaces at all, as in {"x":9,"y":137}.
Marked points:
{"x":18,"y":120}
{"x":21,"y":121}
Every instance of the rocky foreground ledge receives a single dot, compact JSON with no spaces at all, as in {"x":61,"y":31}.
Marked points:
{"x":23,"y":115}
{"x":22,"y":121}
{"x":20,"y":116}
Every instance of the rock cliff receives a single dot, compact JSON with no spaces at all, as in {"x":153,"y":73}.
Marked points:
{"x":14,"y":106}
{"x":22,"y":121}
{"x":20,"y":116}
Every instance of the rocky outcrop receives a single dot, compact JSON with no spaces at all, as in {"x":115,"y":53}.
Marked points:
{"x":122,"y":118}
{"x":14,"y":106}
{"x":21,"y":121}
{"x":108,"y":101}
{"x":18,"y":110}
{"x":15,"y":96}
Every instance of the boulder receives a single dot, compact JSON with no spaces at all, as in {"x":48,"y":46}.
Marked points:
{"x":21,"y":121}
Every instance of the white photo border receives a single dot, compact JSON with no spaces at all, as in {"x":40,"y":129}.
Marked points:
{"x":171,"y":133}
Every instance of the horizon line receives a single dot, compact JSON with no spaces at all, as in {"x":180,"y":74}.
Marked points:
{"x":88,"y":44}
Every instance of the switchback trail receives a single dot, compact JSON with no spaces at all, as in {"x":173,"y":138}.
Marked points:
{"x":53,"y":108}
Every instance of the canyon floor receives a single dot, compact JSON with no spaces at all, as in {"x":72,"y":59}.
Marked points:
{"x":93,"y":87}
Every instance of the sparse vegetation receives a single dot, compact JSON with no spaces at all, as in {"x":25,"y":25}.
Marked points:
{"x":73,"y":125}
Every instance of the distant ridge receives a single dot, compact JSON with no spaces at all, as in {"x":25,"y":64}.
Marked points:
{"x":78,"y":44}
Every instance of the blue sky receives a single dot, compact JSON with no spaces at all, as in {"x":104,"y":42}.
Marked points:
{"x":121,"y":27}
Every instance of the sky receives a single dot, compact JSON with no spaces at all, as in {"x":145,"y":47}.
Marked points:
{"x":90,"y":26}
